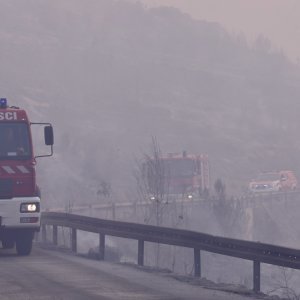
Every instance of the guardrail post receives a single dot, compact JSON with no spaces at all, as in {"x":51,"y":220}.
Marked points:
{"x":134,"y":208}
{"x":44,"y":233}
{"x":113,"y":211}
{"x":74,"y":239}
{"x":140,"y":252}
{"x":256,"y":276}
{"x":197,"y":262}
{"x":101,"y":246}
{"x":54,"y":235}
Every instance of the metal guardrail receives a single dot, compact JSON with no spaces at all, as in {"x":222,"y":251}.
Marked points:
{"x":253,"y":251}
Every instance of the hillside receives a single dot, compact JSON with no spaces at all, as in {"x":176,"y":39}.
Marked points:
{"x":111,"y":74}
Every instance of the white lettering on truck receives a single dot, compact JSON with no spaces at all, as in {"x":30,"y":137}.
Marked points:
{"x":8,"y":116}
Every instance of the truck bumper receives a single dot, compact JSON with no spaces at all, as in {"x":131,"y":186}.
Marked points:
{"x":11,"y":216}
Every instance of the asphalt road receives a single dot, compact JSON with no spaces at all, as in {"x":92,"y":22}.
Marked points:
{"x":48,"y":274}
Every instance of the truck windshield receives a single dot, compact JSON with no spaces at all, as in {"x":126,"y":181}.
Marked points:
{"x":268,"y":177}
{"x":179,"y":167}
{"x":14,"y":141}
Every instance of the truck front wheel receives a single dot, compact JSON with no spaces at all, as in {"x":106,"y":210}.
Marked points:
{"x":24,"y":242}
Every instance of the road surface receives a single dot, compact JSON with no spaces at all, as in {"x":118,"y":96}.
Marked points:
{"x":48,"y":274}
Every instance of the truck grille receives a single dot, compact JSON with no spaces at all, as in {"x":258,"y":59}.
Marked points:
{"x":6,"y":188}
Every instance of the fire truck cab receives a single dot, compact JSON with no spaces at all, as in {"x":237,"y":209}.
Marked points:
{"x":19,"y":194}
{"x":183,"y":175}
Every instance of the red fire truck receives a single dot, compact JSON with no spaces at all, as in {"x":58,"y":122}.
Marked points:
{"x":19,"y":194}
{"x":182,"y":174}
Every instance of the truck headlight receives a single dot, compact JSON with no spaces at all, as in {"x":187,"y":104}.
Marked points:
{"x":30,"y":207}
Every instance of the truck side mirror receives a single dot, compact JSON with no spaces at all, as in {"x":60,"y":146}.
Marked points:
{"x":48,"y":134}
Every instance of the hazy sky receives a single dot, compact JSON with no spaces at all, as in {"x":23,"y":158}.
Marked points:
{"x":279,"y":20}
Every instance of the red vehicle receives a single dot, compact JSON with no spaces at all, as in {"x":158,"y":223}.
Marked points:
{"x":19,"y":194}
{"x":274,"y":182}
{"x":182,"y":174}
